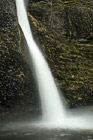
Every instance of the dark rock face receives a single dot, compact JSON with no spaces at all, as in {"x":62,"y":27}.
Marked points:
{"x":17,"y":85}
{"x":61,"y":25}
{"x":8,"y":24}
{"x":67,"y":18}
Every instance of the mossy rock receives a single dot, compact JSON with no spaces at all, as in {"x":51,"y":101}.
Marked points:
{"x":59,"y":28}
{"x":17,"y":85}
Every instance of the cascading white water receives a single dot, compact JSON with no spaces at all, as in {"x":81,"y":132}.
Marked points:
{"x":52,"y":107}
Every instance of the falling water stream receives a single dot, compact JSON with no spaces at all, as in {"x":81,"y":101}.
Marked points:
{"x":53,"y":109}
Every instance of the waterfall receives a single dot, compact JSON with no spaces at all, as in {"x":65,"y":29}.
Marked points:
{"x":52,"y":106}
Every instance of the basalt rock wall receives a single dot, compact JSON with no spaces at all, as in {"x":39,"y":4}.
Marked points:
{"x":17,"y":85}
{"x":65,"y":29}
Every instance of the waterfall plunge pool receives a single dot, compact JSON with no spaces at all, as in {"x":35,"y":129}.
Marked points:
{"x":17,"y":131}
{"x":77,"y":126}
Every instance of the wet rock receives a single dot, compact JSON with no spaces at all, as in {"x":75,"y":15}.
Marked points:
{"x":67,"y":18}
{"x":63,"y":28}
{"x":17,"y":85}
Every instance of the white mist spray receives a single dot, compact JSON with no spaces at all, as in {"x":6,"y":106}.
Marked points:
{"x":52,"y":108}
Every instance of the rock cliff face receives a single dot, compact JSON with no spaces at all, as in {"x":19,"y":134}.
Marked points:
{"x":70,"y":18}
{"x":65,"y":31}
{"x":17,"y":85}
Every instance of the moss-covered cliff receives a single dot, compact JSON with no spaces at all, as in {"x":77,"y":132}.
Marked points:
{"x":65,"y":29}
{"x":17,"y":85}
